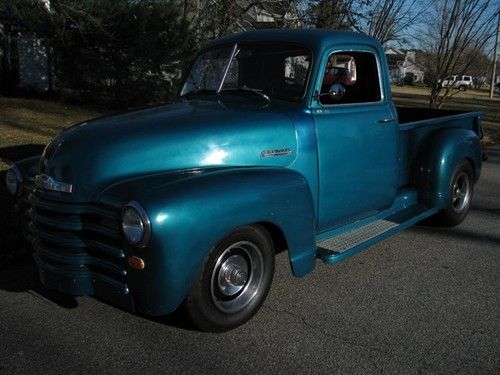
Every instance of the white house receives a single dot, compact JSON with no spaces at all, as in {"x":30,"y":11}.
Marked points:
{"x":402,"y":63}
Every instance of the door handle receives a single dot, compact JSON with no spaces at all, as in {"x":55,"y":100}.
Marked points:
{"x":387,"y":120}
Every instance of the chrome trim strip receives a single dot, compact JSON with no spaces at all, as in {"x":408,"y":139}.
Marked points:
{"x":46,"y":182}
{"x":279,"y":152}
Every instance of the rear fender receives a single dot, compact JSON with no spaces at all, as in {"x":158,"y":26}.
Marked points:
{"x":437,"y":159}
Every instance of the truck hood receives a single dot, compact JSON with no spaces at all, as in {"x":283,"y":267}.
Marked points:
{"x":187,"y":134}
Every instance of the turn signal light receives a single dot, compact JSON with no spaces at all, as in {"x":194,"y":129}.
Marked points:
{"x":136,"y":262}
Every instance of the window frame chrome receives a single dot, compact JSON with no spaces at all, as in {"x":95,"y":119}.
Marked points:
{"x":344,"y":105}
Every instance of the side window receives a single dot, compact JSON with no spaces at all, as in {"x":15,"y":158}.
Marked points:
{"x":357,"y":73}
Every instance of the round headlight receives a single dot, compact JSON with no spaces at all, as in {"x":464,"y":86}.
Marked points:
{"x":14,"y":180}
{"x":135,"y":224}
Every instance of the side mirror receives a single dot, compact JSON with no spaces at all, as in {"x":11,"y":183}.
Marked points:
{"x":336,"y":92}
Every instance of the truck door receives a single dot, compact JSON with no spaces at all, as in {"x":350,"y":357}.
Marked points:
{"x":357,"y":134}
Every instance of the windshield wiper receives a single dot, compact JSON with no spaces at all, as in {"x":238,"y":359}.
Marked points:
{"x":250,"y":89}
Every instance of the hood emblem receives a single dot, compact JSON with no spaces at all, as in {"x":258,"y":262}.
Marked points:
{"x":42,"y":181}
{"x":282,"y":151}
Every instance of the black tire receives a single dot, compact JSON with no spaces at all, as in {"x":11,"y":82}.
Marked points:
{"x":462,"y":88}
{"x":461,"y":190}
{"x":233,"y":281}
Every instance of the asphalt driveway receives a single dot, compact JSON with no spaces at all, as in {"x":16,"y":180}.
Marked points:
{"x":426,"y":300}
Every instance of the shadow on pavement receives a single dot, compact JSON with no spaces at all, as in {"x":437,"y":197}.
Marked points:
{"x":20,"y":277}
{"x":458,"y":233}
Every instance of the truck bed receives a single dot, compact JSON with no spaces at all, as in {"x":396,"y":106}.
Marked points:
{"x":412,"y":115}
{"x":416,"y":124}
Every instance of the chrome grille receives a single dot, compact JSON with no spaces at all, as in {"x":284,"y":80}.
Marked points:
{"x":77,"y":237}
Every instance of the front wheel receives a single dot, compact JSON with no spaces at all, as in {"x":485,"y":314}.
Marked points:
{"x":233,"y":281}
{"x":460,"y":193}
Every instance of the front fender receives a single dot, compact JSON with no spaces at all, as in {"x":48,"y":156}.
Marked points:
{"x":191,"y":215}
{"x":437,"y":159}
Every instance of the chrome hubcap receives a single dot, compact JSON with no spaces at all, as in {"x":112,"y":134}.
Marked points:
{"x":233,"y":275}
{"x":237,"y":276}
{"x":461,"y":193}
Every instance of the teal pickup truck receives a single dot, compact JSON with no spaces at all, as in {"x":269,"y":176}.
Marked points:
{"x":283,"y":140}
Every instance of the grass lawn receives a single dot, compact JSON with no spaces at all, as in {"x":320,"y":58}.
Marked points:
{"x":34,"y":122}
{"x":470,"y":100}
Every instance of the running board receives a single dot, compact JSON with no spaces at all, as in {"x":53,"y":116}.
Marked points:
{"x":347,"y":244}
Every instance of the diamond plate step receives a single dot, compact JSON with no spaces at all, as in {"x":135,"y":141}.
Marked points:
{"x":348,"y":240}
{"x":344,"y":245}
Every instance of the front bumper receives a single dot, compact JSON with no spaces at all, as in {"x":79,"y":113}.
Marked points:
{"x":84,"y":282}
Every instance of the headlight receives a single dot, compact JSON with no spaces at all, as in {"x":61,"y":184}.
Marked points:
{"x":136,"y":225}
{"x":14,"y":181}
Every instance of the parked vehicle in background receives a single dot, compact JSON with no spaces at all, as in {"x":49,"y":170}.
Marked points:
{"x":461,"y":83}
{"x":187,"y":203}
{"x":497,"y":88}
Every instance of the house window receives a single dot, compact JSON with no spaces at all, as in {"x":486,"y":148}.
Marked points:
{"x":357,"y":72}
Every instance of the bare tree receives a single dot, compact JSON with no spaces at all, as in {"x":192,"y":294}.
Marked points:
{"x":215,"y":18}
{"x":327,"y":14}
{"x":385,"y":20}
{"x":458,"y":35}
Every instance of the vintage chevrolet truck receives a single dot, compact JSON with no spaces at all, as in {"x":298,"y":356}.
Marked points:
{"x":283,"y":140}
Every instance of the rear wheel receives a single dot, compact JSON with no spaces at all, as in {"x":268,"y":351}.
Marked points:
{"x":461,"y":190}
{"x":233,"y":282}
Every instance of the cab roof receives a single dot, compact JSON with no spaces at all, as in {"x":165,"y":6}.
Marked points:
{"x":315,"y":39}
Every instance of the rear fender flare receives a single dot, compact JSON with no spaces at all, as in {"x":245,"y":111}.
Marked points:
{"x":437,"y":159}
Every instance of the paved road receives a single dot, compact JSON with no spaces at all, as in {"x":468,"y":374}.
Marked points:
{"x":426,"y":300}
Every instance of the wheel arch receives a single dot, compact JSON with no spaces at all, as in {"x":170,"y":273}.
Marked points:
{"x":473,"y":167}
{"x":437,"y":159}
{"x":277,"y":235}
{"x":300,"y":263}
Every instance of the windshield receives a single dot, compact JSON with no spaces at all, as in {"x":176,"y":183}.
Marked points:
{"x":277,"y":71}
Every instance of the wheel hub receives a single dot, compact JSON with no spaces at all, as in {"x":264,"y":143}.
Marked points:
{"x":461,"y":193}
{"x":237,"y":276}
{"x":233,"y":275}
